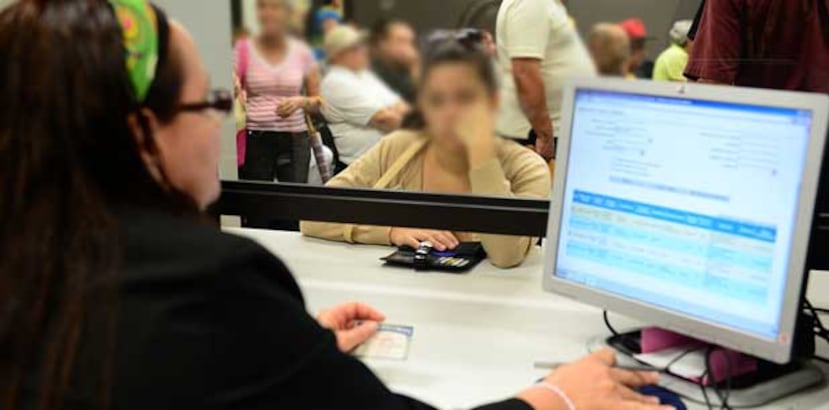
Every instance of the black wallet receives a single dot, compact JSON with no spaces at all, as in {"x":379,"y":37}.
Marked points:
{"x":459,"y":260}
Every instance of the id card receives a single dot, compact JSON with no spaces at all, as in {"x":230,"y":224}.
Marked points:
{"x":391,"y":342}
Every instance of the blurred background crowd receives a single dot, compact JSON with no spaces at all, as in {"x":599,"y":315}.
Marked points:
{"x":316,"y":89}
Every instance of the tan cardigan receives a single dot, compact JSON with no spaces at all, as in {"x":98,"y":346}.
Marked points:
{"x":515,"y":172}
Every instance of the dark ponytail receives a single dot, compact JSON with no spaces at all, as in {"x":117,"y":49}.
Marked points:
{"x":454,"y":51}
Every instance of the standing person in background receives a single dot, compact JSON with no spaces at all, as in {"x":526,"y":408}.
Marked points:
{"x":780,"y":44}
{"x":359,"y":107}
{"x":395,"y":57}
{"x":610,"y":48}
{"x":670,"y":66}
{"x":538,"y":51}
{"x":638,"y":36}
{"x":273,"y":69}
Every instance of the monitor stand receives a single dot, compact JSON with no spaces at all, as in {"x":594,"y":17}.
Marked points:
{"x":771,"y":383}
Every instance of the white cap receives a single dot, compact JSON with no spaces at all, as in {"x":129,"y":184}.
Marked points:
{"x":679,"y":32}
{"x":342,"y":38}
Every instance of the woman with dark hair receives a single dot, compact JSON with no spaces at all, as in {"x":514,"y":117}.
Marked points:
{"x":453,"y":149}
{"x":113,"y":293}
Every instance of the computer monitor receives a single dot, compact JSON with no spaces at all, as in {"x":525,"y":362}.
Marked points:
{"x":688,"y":207}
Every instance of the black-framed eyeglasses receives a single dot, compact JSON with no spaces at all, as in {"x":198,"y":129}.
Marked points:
{"x":218,"y":100}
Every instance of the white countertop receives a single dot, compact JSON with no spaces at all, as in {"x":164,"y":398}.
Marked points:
{"x":476,"y":335}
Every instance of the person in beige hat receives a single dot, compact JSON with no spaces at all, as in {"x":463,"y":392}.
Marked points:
{"x":358,"y":106}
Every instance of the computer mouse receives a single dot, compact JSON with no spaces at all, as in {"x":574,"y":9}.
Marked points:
{"x":666,"y":397}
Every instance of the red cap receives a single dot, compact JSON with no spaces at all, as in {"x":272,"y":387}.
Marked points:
{"x":634,"y":28}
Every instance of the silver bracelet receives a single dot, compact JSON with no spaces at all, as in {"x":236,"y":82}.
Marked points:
{"x":560,"y":393}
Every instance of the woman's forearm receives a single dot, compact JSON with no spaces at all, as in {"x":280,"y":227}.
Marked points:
{"x":505,"y":251}
{"x":365,"y":234}
{"x":313,"y":104}
{"x":312,"y":91}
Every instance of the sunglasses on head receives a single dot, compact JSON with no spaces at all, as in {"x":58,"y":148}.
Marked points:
{"x":218,"y":100}
{"x":468,"y":37}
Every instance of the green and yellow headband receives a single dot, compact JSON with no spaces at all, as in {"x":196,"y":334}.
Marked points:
{"x":140,"y":23}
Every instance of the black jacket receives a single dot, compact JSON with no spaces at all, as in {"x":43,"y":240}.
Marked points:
{"x":213,"y":321}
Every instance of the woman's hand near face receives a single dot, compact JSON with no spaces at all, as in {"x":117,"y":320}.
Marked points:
{"x":442,"y":240}
{"x":352,"y":323}
{"x":593,"y":384}
{"x":476,"y":129}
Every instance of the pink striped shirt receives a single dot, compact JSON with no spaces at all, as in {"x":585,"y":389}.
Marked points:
{"x":267,"y":85}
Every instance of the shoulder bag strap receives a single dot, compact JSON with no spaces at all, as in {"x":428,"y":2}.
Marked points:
{"x":399,"y":164}
{"x":388,"y":176}
{"x":244,"y":60}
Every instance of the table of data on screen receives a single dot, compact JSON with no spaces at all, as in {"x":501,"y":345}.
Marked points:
{"x":715,"y":254}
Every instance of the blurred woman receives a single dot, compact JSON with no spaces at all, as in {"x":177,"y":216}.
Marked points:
{"x":274,"y":69}
{"x":113,"y":294}
{"x":454,"y":150}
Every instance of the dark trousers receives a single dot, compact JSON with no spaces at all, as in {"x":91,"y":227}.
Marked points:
{"x":284,"y":156}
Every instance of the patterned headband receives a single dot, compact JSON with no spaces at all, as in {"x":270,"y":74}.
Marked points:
{"x":140,"y":25}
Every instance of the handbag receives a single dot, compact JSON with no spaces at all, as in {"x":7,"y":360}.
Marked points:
{"x":241,"y":140}
{"x":319,"y":151}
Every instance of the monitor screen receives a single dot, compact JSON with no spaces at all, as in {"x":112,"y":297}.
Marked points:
{"x":685,"y":205}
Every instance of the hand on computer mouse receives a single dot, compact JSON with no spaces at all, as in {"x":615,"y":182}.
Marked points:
{"x":593,"y":384}
{"x":352,"y":323}
{"x":442,"y":240}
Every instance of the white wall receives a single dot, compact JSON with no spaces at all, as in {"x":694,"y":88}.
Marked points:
{"x":210,"y":24}
{"x":249,"y":12}
{"x":248,"y":15}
